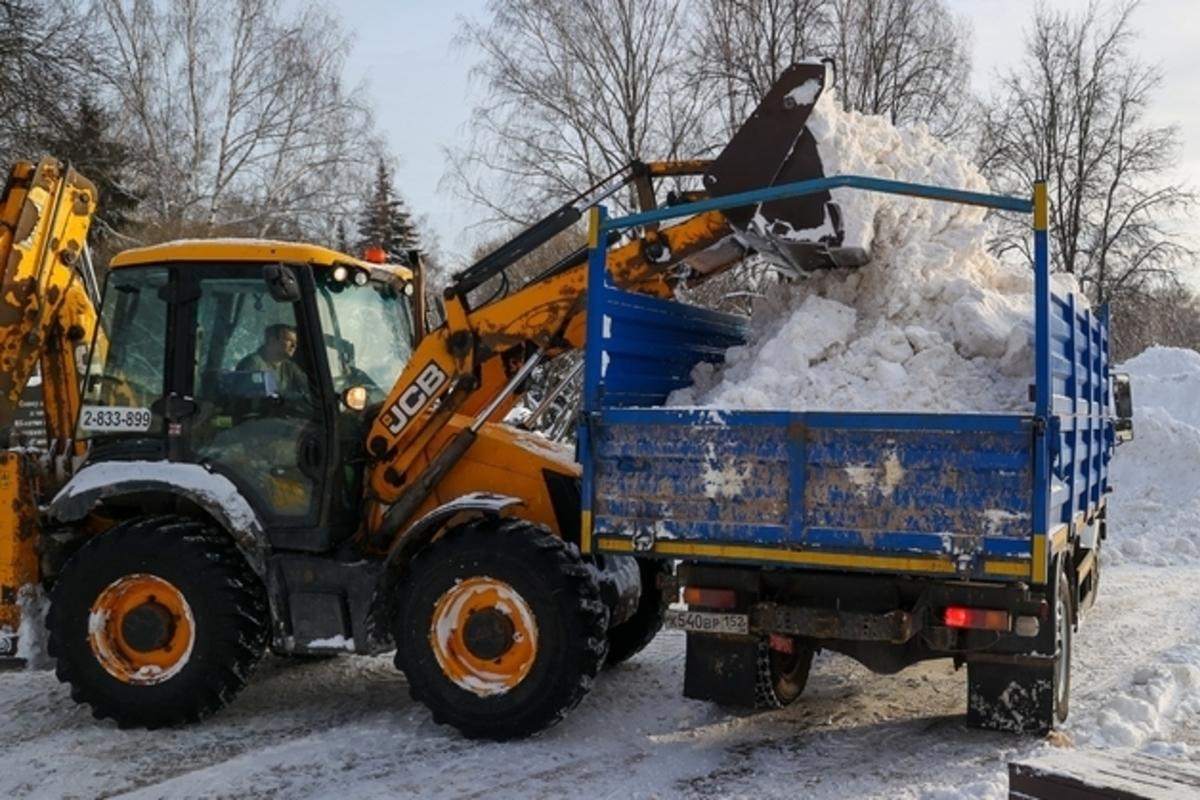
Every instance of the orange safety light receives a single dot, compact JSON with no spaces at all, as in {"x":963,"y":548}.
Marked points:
{"x":375,"y":255}
{"x":709,"y":598}
{"x":983,"y":619}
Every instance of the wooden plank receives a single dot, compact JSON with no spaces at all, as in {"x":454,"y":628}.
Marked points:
{"x":1071,"y":775}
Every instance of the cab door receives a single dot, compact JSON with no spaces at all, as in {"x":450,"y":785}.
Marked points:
{"x":262,"y":418}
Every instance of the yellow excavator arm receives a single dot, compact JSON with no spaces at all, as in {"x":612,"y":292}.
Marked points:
{"x":467,"y":372}
{"x":47,"y":318}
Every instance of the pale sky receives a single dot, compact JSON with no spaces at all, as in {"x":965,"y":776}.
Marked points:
{"x":418,"y":81}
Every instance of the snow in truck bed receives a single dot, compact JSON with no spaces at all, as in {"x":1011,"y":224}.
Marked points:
{"x":933,"y":323}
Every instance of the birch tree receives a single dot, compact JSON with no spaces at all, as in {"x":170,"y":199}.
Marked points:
{"x":239,"y":112}
{"x":573,"y":91}
{"x":1075,"y":113}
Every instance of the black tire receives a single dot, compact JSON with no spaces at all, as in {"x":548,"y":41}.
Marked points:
{"x":1021,"y":699}
{"x":227,"y":605}
{"x":781,"y":676}
{"x":631,"y":636}
{"x":557,"y":591}
{"x":1064,"y":645}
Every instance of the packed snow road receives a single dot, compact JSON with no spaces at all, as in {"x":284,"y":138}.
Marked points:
{"x":347,"y":728}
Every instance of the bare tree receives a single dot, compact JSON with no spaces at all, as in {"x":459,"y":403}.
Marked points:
{"x":1161,"y":315}
{"x":742,"y":46}
{"x":574,"y":91}
{"x":1075,"y":113}
{"x":909,"y":60}
{"x":44,"y":61}
{"x":240,"y":113}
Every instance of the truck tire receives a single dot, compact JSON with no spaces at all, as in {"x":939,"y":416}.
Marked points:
{"x":1022,"y":699}
{"x":157,"y":622}
{"x":499,"y":628}
{"x":631,"y":636}
{"x":781,"y":676}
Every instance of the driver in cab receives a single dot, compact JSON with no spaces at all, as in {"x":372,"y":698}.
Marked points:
{"x":275,"y":356}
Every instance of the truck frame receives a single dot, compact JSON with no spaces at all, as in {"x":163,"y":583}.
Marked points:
{"x":890,"y":537}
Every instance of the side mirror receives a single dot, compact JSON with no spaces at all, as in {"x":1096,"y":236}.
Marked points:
{"x":1123,"y":405}
{"x":281,"y":283}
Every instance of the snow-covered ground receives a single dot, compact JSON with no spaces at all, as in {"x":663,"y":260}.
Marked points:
{"x":346,"y":728}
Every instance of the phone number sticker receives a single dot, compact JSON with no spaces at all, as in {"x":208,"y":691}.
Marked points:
{"x":110,"y":418}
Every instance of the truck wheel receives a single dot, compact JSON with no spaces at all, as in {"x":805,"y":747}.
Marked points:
{"x":781,"y":676}
{"x":499,"y":629}
{"x":631,"y":636}
{"x":157,"y":622}
{"x":1026,"y":699}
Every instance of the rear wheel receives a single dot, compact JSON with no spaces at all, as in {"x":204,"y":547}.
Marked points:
{"x":782,"y":672}
{"x":500,"y":629}
{"x":631,"y":636}
{"x":157,"y":622}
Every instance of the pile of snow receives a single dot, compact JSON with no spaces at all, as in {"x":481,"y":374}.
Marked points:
{"x":1160,"y":697}
{"x":1155,"y":507}
{"x":933,"y":323}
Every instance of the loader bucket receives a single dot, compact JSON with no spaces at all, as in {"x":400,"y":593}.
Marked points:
{"x":774,"y":146}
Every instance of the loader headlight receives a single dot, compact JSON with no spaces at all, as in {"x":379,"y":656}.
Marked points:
{"x":340,"y":274}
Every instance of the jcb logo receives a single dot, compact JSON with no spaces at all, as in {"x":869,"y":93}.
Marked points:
{"x":414,"y":398}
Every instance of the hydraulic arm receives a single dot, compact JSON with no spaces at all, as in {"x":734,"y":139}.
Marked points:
{"x":47,"y":318}
{"x":463,"y":372}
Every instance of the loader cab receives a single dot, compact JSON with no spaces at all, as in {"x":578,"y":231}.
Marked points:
{"x":262,"y":361}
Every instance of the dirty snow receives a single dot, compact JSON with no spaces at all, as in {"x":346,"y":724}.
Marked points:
{"x":933,"y":323}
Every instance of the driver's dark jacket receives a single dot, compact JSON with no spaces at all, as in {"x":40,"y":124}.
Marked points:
{"x":290,"y":380}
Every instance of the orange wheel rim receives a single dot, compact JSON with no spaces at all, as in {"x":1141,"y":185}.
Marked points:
{"x":141,"y":629}
{"x":484,"y":636}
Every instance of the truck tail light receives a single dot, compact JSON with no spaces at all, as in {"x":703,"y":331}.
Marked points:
{"x":975,"y":618}
{"x":710,"y":598}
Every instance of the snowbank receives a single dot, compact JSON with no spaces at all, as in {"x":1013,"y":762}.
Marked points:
{"x":933,"y":323}
{"x":1155,"y":507}
{"x":1143,"y":714}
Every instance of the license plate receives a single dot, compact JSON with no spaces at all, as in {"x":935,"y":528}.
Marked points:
{"x":114,"y":418}
{"x":709,"y":622}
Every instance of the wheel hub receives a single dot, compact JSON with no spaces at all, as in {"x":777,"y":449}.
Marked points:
{"x":488,"y":633}
{"x":141,"y":629}
{"x":484,"y":636}
{"x":148,"y":627}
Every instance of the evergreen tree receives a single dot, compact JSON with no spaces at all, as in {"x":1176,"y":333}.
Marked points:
{"x":386,"y":222}
{"x":86,"y":143}
{"x":341,"y":238}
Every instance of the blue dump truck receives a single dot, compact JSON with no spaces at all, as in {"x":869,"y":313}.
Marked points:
{"x":893,"y":537}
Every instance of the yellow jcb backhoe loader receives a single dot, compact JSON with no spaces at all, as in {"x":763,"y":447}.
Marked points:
{"x":257,"y":475}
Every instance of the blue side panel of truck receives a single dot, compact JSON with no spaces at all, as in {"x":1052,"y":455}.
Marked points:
{"x":978,"y":496}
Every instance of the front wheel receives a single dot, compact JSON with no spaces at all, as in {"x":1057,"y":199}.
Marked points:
{"x":158,"y":621}
{"x":499,"y":629}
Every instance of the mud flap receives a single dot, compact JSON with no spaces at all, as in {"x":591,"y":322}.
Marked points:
{"x":1003,"y":697}
{"x":722,"y":670}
